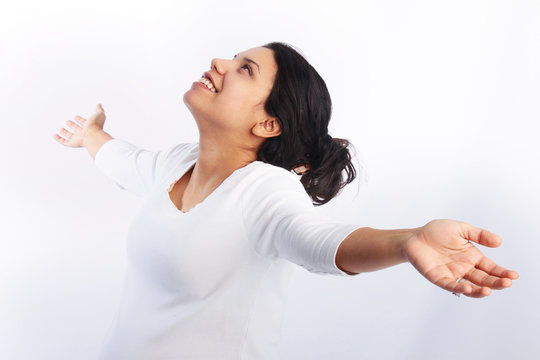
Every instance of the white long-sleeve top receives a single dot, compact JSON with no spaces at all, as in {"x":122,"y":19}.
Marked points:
{"x":211,"y":283}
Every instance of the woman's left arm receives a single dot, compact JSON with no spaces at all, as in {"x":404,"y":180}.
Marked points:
{"x":441,"y":251}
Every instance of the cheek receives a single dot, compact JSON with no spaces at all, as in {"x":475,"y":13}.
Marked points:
{"x":238,"y":98}
{"x":239,"y":91}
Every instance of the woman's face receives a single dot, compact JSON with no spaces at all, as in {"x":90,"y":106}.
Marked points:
{"x":236,"y":109}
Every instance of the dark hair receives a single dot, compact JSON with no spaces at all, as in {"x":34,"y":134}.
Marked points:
{"x":300,"y":101}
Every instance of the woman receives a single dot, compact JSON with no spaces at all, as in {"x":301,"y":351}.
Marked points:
{"x":225,"y":219}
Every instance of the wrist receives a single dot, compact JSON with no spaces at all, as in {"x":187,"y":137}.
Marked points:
{"x":93,"y":140}
{"x":89,"y":134}
{"x":411,"y":233}
{"x":402,"y":238}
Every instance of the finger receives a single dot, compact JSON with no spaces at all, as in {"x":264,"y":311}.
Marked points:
{"x":454,"y":286}
{"x":490,"y":267}
{"x":66,"y":133}
{"x":60,"y":139}
{"x":99,"y":107}
{"x":469,"y":289}
{"x":463,"y":287}
{"x":481,"y":278}
{"x":73,"y":125}
{"x":480,"y":236}
{"x":478,"y":291}
{"x":80,"y":119}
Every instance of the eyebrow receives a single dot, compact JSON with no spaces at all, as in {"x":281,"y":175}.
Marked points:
{"x":251,"y":61}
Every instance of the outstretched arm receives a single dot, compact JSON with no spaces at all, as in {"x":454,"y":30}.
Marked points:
{"x":441,"y":251}
{"x":85,"y":133}
{"x":133,"y":169}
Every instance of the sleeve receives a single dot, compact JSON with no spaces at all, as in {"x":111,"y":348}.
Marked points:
{"x":131,"y":168}
{"x":281,"y":221}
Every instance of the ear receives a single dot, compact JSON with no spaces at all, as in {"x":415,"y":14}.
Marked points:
{"x":267,"y":128}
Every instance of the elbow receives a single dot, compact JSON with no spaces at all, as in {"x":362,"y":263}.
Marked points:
{"x":343,"y":260}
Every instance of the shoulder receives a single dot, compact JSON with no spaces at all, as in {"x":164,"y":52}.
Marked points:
{"x":178,"y":154}
{"x":270,"y":184}
{"x":179,"y":151}
{"x":261,"y":167}
{"x":263,"y":174}
{"x":173,"y":159}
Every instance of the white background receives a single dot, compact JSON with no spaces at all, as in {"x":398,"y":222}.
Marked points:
{"x":440,"y":99}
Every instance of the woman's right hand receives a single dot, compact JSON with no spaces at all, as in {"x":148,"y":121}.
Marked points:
{"x":80,"y":128}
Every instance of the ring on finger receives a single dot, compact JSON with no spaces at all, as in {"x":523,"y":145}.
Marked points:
{"x":458,"y":280}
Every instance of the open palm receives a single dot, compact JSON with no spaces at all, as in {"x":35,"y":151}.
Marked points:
{"x":443,"y":253}
{"x":74,"y":138}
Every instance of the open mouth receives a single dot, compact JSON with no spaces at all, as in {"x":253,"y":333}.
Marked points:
{"x":206,"y":81}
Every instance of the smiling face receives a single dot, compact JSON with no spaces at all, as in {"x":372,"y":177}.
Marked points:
{"x":236,"y":111}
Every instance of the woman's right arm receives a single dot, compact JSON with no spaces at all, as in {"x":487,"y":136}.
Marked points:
{"x":93,"y":140}
{"x":130,"y":167}
{"x":85,"y":133}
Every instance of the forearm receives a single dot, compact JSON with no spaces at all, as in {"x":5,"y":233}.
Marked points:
{"x":367,"y":249}
{"x":94,"y":139}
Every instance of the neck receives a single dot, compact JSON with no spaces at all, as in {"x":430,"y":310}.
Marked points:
{"x":217,"y":160}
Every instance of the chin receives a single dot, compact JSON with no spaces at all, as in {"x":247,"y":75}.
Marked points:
{"x":190,"y":100}
{"x":191,"y":104}
{"x":186,"y":97}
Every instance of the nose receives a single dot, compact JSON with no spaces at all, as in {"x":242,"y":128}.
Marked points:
{"x":219,"y":65}
{"x":214,"y":65}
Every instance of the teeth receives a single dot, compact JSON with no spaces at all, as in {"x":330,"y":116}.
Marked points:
{"x":208,"y":84}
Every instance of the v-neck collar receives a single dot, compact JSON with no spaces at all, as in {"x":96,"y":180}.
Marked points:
{"x":188,"y":167}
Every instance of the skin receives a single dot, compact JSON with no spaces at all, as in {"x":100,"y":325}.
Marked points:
{"x":442,"y":251}
{"x":232,"y":123}
{"x":232,"y":126}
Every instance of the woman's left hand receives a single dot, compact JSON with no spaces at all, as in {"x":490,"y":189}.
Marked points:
{"x":443,"y":253}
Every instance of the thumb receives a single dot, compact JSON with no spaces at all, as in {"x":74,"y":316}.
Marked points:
{"x":480,"y":236}
{"x":99,"y":107}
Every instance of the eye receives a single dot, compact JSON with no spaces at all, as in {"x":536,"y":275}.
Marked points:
{"x":249,"y":69}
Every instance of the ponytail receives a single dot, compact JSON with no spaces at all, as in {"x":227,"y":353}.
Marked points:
{"x":300,"y":102}
{"x":330,"y":171}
